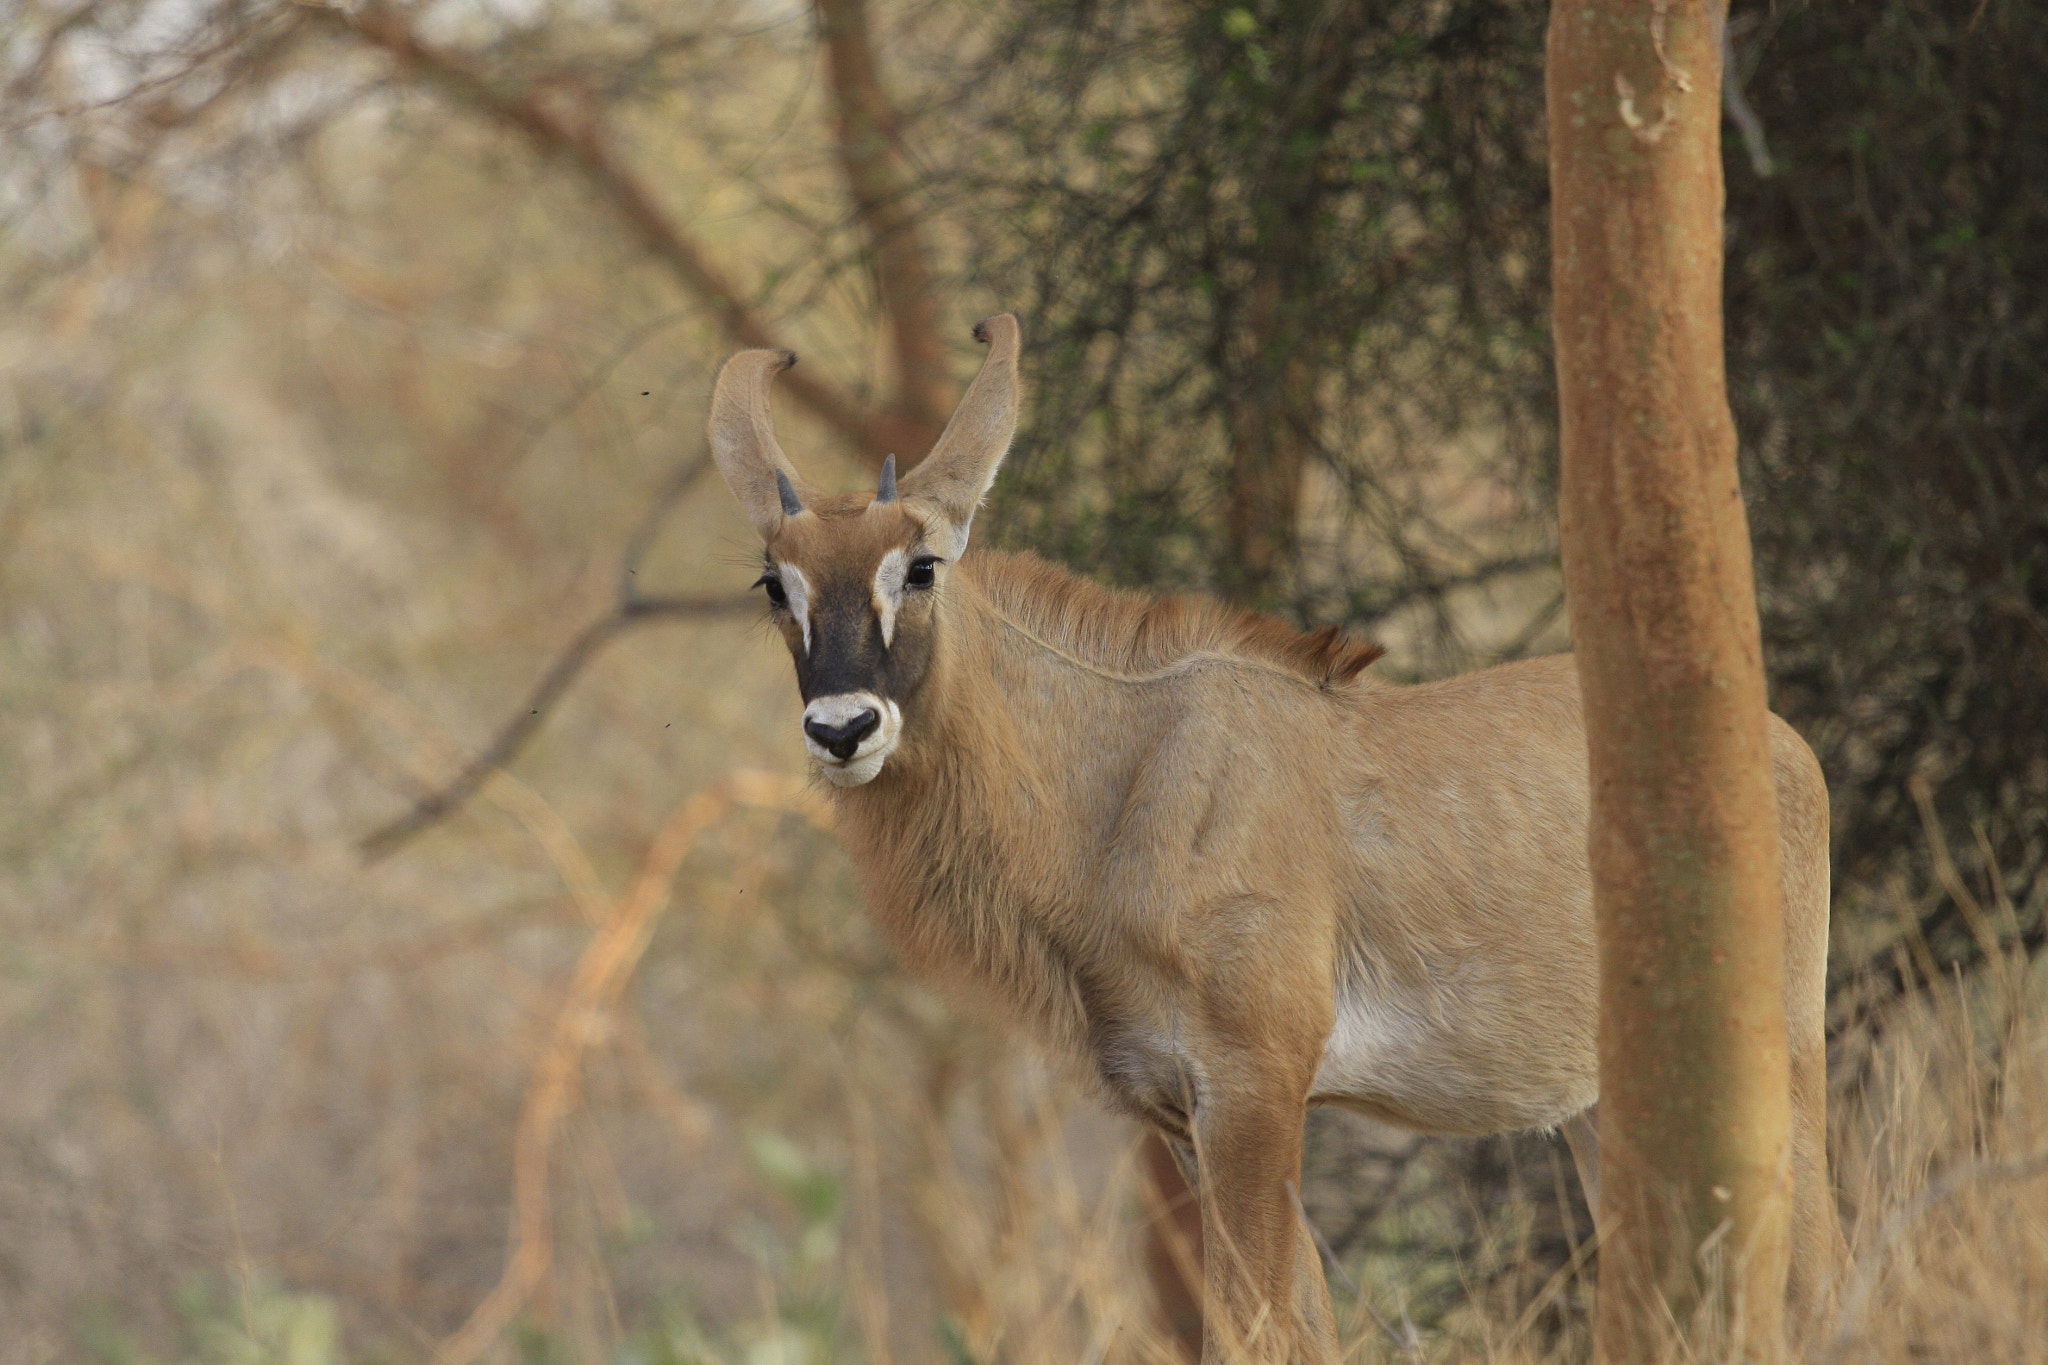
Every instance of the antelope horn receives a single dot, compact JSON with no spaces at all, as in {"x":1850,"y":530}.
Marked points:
{"x":743,"y":441}
{"x":885,"y":491}
{"x":963,"y":463}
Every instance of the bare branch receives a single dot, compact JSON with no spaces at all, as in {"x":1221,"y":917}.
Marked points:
{"x":1739,"y":111}
{"x":581,"y":146}
{"x":631,"y":610}
{"x":553,"y":1091}
{"x":431,"y":809}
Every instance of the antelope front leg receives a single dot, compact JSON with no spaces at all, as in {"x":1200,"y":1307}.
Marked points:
{"x":1266,"y":1301}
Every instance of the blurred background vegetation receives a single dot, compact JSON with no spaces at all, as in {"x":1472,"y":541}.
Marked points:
{"x":347,"y":354}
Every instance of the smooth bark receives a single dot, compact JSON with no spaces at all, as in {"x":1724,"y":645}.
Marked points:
{"x":1693,"y":1070}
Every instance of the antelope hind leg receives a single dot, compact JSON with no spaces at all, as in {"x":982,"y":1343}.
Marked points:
{"x":1818,"y":1247}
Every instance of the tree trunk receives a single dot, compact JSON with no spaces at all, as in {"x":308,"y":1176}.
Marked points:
{"x":1271,"y":421}
{"x":1694,"y":1089}
{"x":1275,"y":345}
{"x":880,"y":184}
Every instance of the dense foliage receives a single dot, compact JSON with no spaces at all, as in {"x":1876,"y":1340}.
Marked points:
{"x":1888,"y":331}
{"x":1284,"y":257}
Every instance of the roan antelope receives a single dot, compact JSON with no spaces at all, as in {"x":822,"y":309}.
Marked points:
{"x":1207,"y":855}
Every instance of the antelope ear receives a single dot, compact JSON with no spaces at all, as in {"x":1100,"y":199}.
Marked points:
{"x":743,"y":441}
{"x":957,"y":473}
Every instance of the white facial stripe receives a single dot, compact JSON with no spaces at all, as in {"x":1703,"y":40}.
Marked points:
{"x":797,"y":589}
{"x":889,"y":591}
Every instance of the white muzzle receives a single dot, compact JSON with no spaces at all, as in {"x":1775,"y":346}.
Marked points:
{"x":828,"y":717}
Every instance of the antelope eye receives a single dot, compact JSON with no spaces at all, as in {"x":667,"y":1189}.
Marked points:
{"x":774,"y":586}
{"x":919,"y":575}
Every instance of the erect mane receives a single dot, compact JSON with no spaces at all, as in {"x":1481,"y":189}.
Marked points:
{"x":1140,"y":632}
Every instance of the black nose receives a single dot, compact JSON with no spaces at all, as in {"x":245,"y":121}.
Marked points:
{"x":841,"y":740}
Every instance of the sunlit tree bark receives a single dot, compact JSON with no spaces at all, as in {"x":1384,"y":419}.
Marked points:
{"x":1693,"y":1069}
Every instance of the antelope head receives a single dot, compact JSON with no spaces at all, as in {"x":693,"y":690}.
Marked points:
{"x":854,"y":581}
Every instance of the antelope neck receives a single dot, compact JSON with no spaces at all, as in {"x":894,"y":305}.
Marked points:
{"x":1025,"y":726}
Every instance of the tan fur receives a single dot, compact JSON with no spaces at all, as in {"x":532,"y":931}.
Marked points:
{"x":1205,"y":856}
{"x":1136,"y":632}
